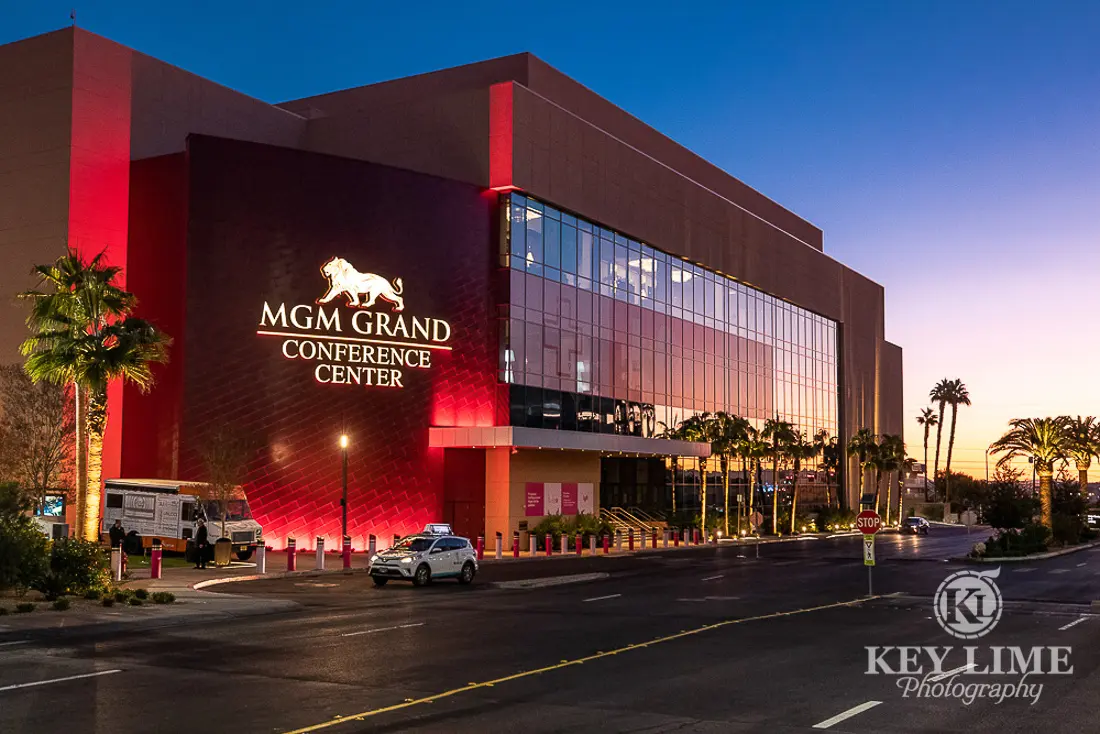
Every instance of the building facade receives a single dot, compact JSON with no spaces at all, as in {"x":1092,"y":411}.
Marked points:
{"x":500,"y":286}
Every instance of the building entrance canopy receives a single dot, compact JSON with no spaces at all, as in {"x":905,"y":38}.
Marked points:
{"x":540,"y":438}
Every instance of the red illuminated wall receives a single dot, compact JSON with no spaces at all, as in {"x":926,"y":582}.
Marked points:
{"x":262,"y":220}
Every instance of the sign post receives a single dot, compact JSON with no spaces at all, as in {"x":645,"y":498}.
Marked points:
{"x":868,"y":522}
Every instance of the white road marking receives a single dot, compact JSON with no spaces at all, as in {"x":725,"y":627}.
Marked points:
{"x":948,"y":673}
{"x":601,"y":598}
{"x":59,"y":680}
{"x":1074,"y":623}
{"x":854,"y":711}
{"x":1022,"y":570}
{"x":710,"y":598}
{"x":382,"y":629}
{"x":1081,"y":564}
{"x":711,"y":578}
{"x":1060,"y":570}
{"x":16,"y":642}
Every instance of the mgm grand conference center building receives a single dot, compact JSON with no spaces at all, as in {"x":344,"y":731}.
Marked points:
{"x":498,"y":284}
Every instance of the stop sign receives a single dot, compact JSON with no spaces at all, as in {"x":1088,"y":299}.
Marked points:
{"x":868,"y":522}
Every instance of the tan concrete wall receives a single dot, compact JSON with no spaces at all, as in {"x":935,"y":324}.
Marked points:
{"x":506,"y":477}
{"x":36,"y":89}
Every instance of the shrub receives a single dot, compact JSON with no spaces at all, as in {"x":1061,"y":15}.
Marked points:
{"x":93,"y":594}
{"x":835,"y":519}
{"x":1067,"y":529}
{"x":62,"y":604}
{"x":141,"y":594}
{"x":50,"y":585}
{"x":1032,"y":538}
{"x":108,"y":601}
{"x":135,"y":602}
{"x":24,"y":553}
{"x":122,"y":595}
{"x":81,"y":565}
{"x":24,"y":607}
{"x":163,"y":597}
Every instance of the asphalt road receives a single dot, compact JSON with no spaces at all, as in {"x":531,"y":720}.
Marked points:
{"x":699,"y":640}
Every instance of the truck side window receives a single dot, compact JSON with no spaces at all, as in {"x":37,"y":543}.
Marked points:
{"x":114,"y":500}
{"x":187,"y":511}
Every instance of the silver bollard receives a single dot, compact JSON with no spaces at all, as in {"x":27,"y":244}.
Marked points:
{"x":618,"y":541}
{"x":665,"y":534}
{"x":564,"y":545}
{"x":261,"y":558}
{"x":116,"y":564}
{"x":500,"y":547}
{"x":372,"y":545}
{"x":592,"y":545}
{"x":320,"y":565}
{"x":532,"y":543}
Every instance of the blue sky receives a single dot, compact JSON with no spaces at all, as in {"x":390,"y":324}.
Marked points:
{"x":948,"y":149}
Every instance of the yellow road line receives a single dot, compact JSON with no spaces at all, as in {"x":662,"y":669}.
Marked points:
{"x":409,"y":703}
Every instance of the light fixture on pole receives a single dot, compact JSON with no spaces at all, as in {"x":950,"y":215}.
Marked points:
{"x":344,"y":499}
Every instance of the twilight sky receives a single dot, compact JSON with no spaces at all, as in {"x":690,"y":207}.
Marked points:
{"x":948,"y":149}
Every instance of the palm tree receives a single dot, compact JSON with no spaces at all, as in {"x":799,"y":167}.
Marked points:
{"x":701,"y":429}
{"x":1083,"y":443}
{"x":83,"y":334}
{"x":957,"y":395}
{"x":799,"y":450}
{"x":908,"y":465}
{"x":830,"y":460}
{"x":674,"y":434}
{"x":938,"y":396}
{"x":753,"y":449}
{"x":780,"y":434}
{"x":1044,"y":441}
{"x":862,"y":445}
{"x":729,"y":431}
{"x":927,"y":418}
{"x":888,"y":459}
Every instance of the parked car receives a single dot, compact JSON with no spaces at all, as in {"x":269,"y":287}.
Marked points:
{"x":433,"y":554}
{"x":915,"y":526}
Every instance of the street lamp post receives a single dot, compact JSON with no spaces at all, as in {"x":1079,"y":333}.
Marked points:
{"x":344,"y":499}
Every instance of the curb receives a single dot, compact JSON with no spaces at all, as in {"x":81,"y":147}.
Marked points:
{"x":1032,"y":557}
{"x":548,"y":581}
{"x":199,"y":585}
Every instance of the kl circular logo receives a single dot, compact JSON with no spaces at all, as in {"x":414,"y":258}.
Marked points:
{"x":968,"y":603}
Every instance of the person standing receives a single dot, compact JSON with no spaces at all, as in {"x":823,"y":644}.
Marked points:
{"x":201,"y":545}
{"x":117,"y":533}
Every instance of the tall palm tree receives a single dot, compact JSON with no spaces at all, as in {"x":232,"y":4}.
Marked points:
{"x":729,"y":430}
{"x":701,"y":429}
{"x":829,"y":449}
{"x":779,"y":434}
{"x":907,"y":465}
{"x":1083,"y":443}
{"x":939,"y":396}
{"x":889,"y":459}
{"x":862,"y":445}
{"x":799,"y":450}
{"x":754,"y":450}
{"x":82,"y":334}
{"x":957,"y":395}
{"x":674,"y":434}
{"x":927,"y":418}
{"x":1044,"y":441}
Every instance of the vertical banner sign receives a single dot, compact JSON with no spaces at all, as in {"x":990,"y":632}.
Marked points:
{"x":552,"y":498}
{"x":587,"y":502}
{"x":534,"y":503}
{"x":868,"y":550}
{"x":569,"y":498}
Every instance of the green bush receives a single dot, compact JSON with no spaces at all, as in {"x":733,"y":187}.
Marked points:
{"x":1067,"y":529}
{"x":108,"y":601}
{"x":135,"y":602}
{"x":24,"y":607}
{"x":93,"y":594}
{"x":80,"y":565}
{"x":61,"y":605}
{"x":834,"y":519}
{"x":24,"y":553}
{"x":163,"y":597}
{"x":558,"y":525}
{"x":122,"y":595}
{"x":1032,"y":538}
{"x":141,"y":594}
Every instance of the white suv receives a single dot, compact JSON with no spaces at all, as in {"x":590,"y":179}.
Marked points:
{"x":424,"y":557}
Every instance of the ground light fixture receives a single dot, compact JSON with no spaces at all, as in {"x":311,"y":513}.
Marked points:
{"x":344,"y":476}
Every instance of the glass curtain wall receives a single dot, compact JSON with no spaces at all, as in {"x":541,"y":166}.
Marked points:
{"x":604,"y":333}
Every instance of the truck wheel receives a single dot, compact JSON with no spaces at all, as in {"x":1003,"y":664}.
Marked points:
{"x":244,"y":555}
{"x":379,"y":581}
{"x":467,"y":574}
{"x":423,"y":575}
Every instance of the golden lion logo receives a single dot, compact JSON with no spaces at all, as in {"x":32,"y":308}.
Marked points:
{"x":344,"y":279}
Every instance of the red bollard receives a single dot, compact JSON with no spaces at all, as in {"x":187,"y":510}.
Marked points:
{"x":515,"y":544}
{"x":155,"y":559}
{"x":630,"y":540}
{"x":676,"y":538}
{"x":695,"y":535}
{"x":549,"y":544}
{"x":346,"y":551}
{"x":578,"y":539}
{"x":291,"y":550}
{"x":481,"y":547}
{"x":653,"y":535}
{"x":606,"y":544}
